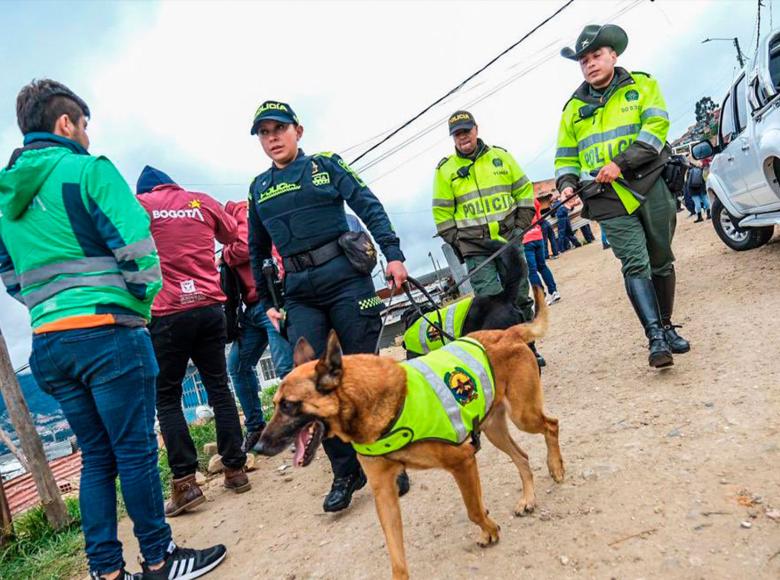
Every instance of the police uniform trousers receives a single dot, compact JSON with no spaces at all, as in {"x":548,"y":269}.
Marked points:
{"x":487,"y":282}
{"x":642,"y":241}
{"x":334,"y":296}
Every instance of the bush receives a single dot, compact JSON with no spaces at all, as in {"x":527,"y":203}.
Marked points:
{"x":267,"y":400}
{"x":37,"y":551}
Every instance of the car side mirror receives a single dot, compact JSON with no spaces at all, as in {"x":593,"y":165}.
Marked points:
{"x":702,"y":150}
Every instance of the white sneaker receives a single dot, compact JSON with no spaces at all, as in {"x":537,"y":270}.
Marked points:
{"x":553,"y":298}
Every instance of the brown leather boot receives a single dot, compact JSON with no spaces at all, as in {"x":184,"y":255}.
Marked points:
{"x":236,"y":480}
{"x":185,"y":495}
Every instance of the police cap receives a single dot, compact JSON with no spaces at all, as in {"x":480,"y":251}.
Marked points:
{"x":461,"y":120}
{"x":275,"y":111}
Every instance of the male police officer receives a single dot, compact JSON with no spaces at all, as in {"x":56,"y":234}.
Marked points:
{"x":479,"y":194}
{"x":614,"y":126}
{"x":298,"y":205}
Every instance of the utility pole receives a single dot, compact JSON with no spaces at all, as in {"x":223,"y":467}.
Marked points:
{"x":53,"y":506}
{"x":6,"y":523}
{"x":735,"y":40}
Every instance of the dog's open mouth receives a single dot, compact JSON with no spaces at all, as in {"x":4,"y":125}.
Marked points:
{"x":307,"y":441}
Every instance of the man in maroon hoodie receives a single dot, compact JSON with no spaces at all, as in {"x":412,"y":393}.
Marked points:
{"x":188,"y":322}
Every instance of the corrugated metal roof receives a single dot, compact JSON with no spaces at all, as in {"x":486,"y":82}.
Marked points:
{"x":22,"y":493}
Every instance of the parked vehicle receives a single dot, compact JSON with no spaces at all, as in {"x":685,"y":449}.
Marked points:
{"x":743,"y":178}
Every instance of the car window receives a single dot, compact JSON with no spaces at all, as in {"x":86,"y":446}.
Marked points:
{"x":774,"y":62}
{"x":727,"y":128}
{"x":741,"y":104}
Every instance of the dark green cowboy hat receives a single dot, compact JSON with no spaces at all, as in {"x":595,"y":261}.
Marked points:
{"x":594,"y":36}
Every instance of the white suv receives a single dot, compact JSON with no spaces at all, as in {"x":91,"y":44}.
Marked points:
{"x":743,"y":179}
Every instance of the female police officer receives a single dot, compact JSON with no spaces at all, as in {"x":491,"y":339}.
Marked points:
{"x":298,"y":205}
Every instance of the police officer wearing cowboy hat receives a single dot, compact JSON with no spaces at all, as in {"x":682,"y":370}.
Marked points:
{"x":298,"y":206}
{"x":614,"y":127}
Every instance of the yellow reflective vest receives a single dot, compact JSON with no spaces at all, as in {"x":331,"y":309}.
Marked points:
{"x":477,"y":199}
{"x":422,"y":337}
{"x":449,"y":393}
{"x":593,"y":133}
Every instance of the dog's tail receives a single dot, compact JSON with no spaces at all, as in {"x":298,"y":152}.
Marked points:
{"x":536,"y":328}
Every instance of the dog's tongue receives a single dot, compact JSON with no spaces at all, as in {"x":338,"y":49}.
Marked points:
{"x":300,"y":446}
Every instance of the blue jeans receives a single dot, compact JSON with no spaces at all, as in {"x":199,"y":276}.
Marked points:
{"x":566,"y":235}
{"x":104,"y":380}
{"x":700,"y":202}
{"x":534,"y":255}
{"x":587,"y":233}
{"x":549,"y":236}
{"x":257,"y":332}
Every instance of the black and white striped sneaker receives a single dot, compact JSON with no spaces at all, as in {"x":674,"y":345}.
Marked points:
{"x":185,"y":563}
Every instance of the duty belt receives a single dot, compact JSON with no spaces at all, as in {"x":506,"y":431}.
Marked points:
{"x":312,"y":258}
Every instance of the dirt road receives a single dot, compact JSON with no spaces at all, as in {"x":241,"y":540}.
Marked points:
{"x":671,"y":474}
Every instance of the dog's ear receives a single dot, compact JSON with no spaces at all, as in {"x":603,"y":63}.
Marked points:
{"x":303,"y":352}
{"x":329,"y":369}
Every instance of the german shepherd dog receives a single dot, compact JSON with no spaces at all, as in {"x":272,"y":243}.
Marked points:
{"x":495,"y":312}
{"x":357,"y":397}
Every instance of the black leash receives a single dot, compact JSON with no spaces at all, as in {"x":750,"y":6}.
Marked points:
{"x":384,"y":320}
{"x":546,"y":213}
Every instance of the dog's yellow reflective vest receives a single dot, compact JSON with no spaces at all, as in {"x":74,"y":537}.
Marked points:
{"x":422,"y":337}
{"x":449,"y":393}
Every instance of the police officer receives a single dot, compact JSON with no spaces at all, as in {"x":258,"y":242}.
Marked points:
{"x":298,"y":205}
{"x":615,"y":126}
{"x":479,"y":194}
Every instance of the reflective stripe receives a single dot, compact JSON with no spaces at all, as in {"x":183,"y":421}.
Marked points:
{"x":651,"y":140}
{"x":470,"y":195}
{"x":449,"y":321}
{"x":475,"y":365}
{"x":78,"y":266}
{"x":135,"y":250}
{"x":567,"y":152}
{"x":445,"y":225}
{"x":569,"y":170}
{"x":37,"y":296}
{"x":446,"y":398}
{"x":10,"y":278}
{"x":422,"y":336}
{"x":595,"y":138}
{"x":503,"y":188}
{"x":653,"y":112}
{"x":519,"y":183}
{"x":525,"y":202}
{"x":144,"y":276}
{"x":443,"y":203}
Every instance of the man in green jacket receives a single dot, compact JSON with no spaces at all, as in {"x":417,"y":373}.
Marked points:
{"x":615,"y":126}
{"x":76,"y":250}
{"x":480,"y":194}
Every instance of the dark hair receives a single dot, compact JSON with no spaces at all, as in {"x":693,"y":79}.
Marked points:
{"x":43,"y":101}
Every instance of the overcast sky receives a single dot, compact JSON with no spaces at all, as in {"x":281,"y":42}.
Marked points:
{"x":176,"y":84}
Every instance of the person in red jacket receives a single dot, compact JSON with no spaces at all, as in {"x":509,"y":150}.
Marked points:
{"x":256,"y":332}
{"x":188,"y":322}
{"x":533,"y":245}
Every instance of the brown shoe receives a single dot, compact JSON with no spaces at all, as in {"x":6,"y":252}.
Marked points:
{"x":185,"y":495}
{"x":236,"y":480}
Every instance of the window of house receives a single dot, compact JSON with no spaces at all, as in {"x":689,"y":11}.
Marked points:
{"x":267,"y":368}
{"x":727,"y":128}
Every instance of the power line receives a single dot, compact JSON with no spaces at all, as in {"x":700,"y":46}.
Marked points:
{"x":460,"y":85}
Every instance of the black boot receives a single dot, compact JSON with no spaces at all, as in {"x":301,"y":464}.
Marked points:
{"x":341,"y":491}
{"x":539,"y":358}
{"x":664,"y":291}
{"x":709,"y":215}
{"x":698,"y":218}
{"x":642,"y":296}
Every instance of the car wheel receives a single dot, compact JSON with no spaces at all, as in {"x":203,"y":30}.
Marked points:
{"x":736,"y":238}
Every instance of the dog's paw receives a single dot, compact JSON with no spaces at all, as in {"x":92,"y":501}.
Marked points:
{"x":557,"y":472}
{"x":524,"y":507}
{"x":489,"y":535}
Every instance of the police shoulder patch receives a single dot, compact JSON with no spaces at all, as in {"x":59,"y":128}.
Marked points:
{"x":442,"y":162}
